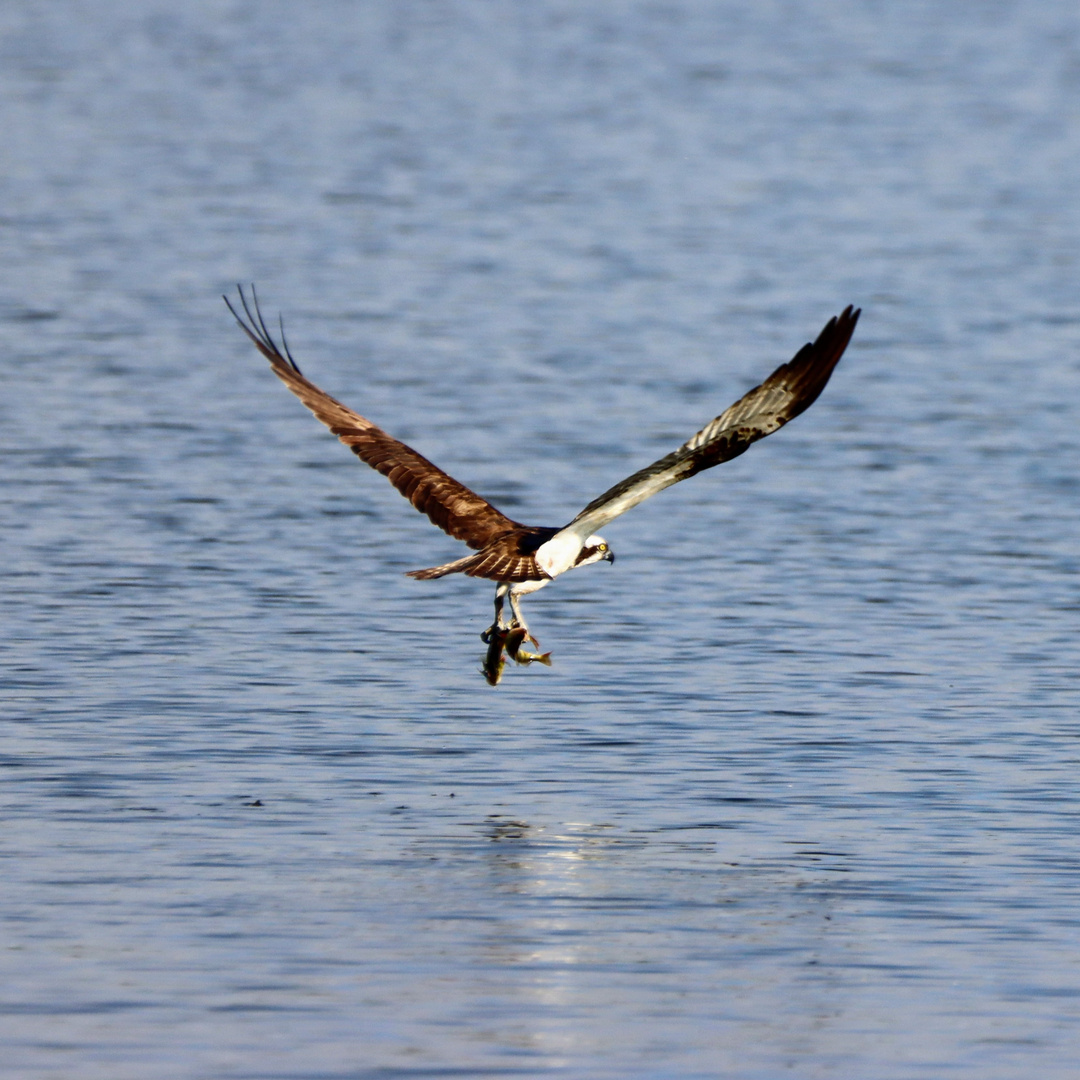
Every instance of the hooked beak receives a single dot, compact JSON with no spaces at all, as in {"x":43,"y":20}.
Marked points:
{"x":610,"y":557}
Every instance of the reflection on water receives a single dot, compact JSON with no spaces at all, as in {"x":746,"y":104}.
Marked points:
{"x":802,"y":779}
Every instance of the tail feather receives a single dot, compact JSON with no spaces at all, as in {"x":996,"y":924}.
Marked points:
{"x":458,"y":566}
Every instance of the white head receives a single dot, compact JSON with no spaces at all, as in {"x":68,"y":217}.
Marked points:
{"x":595,"y":549}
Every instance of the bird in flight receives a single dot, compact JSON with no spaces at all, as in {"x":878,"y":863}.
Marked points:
{"x":519,"y":558}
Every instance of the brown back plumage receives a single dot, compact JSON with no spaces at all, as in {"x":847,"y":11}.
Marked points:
{"x":509,"y":557}
{"x":449,"y":504}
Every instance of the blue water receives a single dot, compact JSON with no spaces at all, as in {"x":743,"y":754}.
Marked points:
{"x":799,"y":796}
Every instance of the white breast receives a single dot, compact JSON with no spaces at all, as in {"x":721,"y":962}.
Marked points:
{"x":559,"y":553}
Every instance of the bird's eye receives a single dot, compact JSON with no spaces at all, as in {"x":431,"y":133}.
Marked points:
{"x":602,"y":547}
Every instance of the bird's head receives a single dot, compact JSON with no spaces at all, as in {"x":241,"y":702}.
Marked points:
{"x":595,"y":549}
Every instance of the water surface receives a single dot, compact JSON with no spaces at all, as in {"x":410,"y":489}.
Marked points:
{"x":799,"y":796}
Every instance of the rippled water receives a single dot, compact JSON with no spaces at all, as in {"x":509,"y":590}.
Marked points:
{"x":799,"y":796}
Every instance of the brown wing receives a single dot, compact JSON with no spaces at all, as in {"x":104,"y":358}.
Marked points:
{"x":448,"y":503}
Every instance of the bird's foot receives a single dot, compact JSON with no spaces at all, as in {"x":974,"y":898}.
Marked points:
{"x":492,"y":631}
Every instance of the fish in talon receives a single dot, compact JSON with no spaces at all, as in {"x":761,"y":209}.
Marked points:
{"x":515,"y":639}
{"x":534,"y":658}
{"x":494,"y":661}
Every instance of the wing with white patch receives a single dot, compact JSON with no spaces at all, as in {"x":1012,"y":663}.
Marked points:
{"x":789,"y":390}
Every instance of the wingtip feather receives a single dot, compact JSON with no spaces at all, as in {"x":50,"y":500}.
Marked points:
{"x":254,"y":325}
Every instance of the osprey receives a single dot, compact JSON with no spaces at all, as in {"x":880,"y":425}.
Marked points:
{"x":524,"y":558}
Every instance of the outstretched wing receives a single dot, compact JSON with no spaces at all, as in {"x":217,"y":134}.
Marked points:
{"x":449,"y":504}
{"x":789,"y":390}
